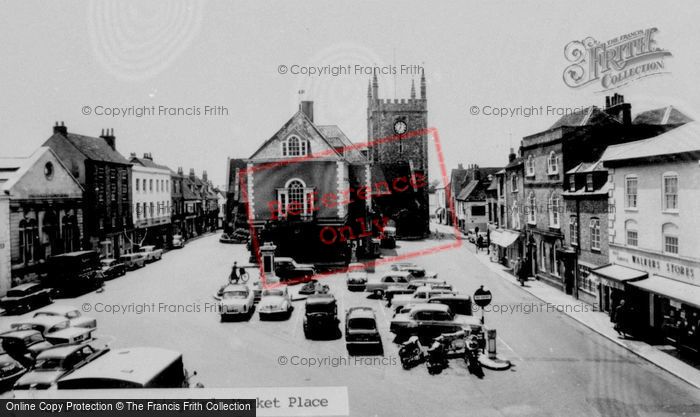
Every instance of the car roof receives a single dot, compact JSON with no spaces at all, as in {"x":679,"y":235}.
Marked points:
{"x":451,"y":296}
{"x":356,"y":265}
{"x":320,"y":299}
{"x":22,"y":287}
{"x":21,"y":334}
{"x":396,"y":273}
{"x":236,"y":287}
{"x":57,"y":309}
{"x":138,"y":364}
{"x":431,"y":307}
{"x":43,"y":320}
{"x":282,"y":258}
{"x":60,"y":351}
{"x":361,"y":312}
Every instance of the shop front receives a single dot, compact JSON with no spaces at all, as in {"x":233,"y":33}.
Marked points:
{"x":507,"y":247}
{"x":612,"y":288}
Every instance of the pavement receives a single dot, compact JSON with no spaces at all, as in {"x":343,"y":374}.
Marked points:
{"x":560,"y":367}
{"x":595,"y":320}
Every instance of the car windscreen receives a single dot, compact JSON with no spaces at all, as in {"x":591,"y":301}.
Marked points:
{"x":49,"y":364}
{"x":15,"y":293}
{"x":274,"y":292}
{"x":320,"y":308}
{"x":235,"y":295}
{"x":362,"y":323}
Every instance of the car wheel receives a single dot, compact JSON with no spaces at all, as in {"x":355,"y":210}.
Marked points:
{"x":379,"y":294}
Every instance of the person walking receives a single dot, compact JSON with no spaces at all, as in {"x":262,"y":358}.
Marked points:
{"x":619,"y":317}
{"x":234,"y":277}
{"x":522,"y":273}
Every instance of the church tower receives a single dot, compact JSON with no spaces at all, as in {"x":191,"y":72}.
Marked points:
{"x":401,"y":157}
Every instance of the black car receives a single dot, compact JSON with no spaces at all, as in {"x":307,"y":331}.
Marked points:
{"x":321,"y":316}
{"x":23,"y":345}
{"x":112,"y":268}
{"x":288,"y":270}
{"x":10,"y":370}
{"x":361,"y":330}
{"x":25,"y":297}
{"x":459,"y":304}
{"x":74,"y":272}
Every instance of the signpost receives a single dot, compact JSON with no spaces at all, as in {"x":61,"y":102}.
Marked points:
{"x":482,"y":298}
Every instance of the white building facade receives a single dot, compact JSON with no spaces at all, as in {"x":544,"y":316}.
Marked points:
{"x":152,"y":198}
{"x":654,"y":228}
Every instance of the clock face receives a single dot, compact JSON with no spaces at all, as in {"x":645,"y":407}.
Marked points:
{"x":400,"y":127}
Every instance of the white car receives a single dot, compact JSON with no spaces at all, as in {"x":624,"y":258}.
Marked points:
{"x":150,"y":253}
{"x":275,"y":301}
{"x":379,"y":285}
{"x":177,"y":242}
{"x":422,"y":295}
{"x":71,"y":313}
{"x":416,"y":271}
{"x":236,"y":300}
{"x":44,"y":324}
{"x":356,"y":278}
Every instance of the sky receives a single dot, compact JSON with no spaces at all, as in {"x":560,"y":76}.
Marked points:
{"x":59,"y":57}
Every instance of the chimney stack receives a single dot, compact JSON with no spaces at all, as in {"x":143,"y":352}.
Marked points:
{"x":148,"y":155}
{"x":132,"y":155}
{"x":460,"y":166}
{"x":204,"y":176}
{"x":511,"y":155}
{"x":616,"y":107}
{"x":192,"y":173}
{"x":179,"y":171}
{"x":307,"y":107}
{"x":108,"y":136}
{"x":60,"y":129}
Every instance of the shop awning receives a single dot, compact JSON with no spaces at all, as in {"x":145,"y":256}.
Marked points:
{"x":616,"y":275}
{"x":504,"y":238}
{"x":677,"y":290}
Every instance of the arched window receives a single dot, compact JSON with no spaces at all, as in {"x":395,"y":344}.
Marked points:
{"x":552,"y":163}
{"x":554,"y":210}
{"x":295,"y":198}
{"x":631,"y":233}
{"x":530,"y":166}
{"x":669,"y":231}
{"x":532,"y":208}
{"x":514,"y":183}
{"x":295,"y":146}
{"x":595,"y":233}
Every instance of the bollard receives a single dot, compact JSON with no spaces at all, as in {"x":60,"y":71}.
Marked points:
{"x":491,"y":343}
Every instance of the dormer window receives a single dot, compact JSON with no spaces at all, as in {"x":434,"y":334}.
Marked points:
{"x":295,"y":146}
{"x":589,"y":182}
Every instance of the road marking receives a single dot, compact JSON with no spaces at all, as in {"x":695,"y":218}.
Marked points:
{"x":520,"y":358}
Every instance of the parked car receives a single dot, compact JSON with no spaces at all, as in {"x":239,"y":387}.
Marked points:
{"x":236,"y":300}
{"x":430,"y":320}
{"x":137,"y":367}
{"x":379,"y":285}
{"x":288,"y":270}
{"x":74,"y":272}
{"x":45,"y":324}
{"x":10,"y":370}
{"x":314,"y":287}
{"x":418,"y":272}
{"x":388,"y":239}
{"x":55,"y":363}
{"x":356,"y":277}
{"x":361,"y":330}
{"x":275,"y":302}
{"x":178,"y":242}
{"x":231,"y":238}
{"x":258,"y":287}
{"x":25,"y":297}
{"x":133,"y":260}
{"x":23,"y":345}
{"x":112,"y":268}
{"x":71,"y":313}
{"x":70,"y":336}
{"x":421,"y":295}
{"x":413,"y":286}
{"x":320,"y":316}
{"x":458,"y":303}
{"x":151,"y":253}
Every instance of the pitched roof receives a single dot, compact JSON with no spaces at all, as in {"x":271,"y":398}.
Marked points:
{"x":337,"y":138}
{"x":591,"y":115}
{"x":587,"y":167}
{"x":662,"y":116}
{"x":467,"y":190}
{"x":93,"y":148}
{"x":457,"y":177}
{"x":682,"y":139}
{"x":514,"y":163}
{"x":148,"y":163}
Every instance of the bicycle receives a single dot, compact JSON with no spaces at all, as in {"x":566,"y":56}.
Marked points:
{"x":242,"y":277}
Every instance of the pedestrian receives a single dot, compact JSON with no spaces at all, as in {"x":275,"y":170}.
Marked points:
{"x":233,"y":278}
{"x":479,"y":243}
{"x":619,"y":317}
{"x":522,"y":273}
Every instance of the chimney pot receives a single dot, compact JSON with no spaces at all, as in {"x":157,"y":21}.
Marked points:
{"x":60,"y":129}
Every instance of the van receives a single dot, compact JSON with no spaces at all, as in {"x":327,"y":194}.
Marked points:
{"x":74,"y":272}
